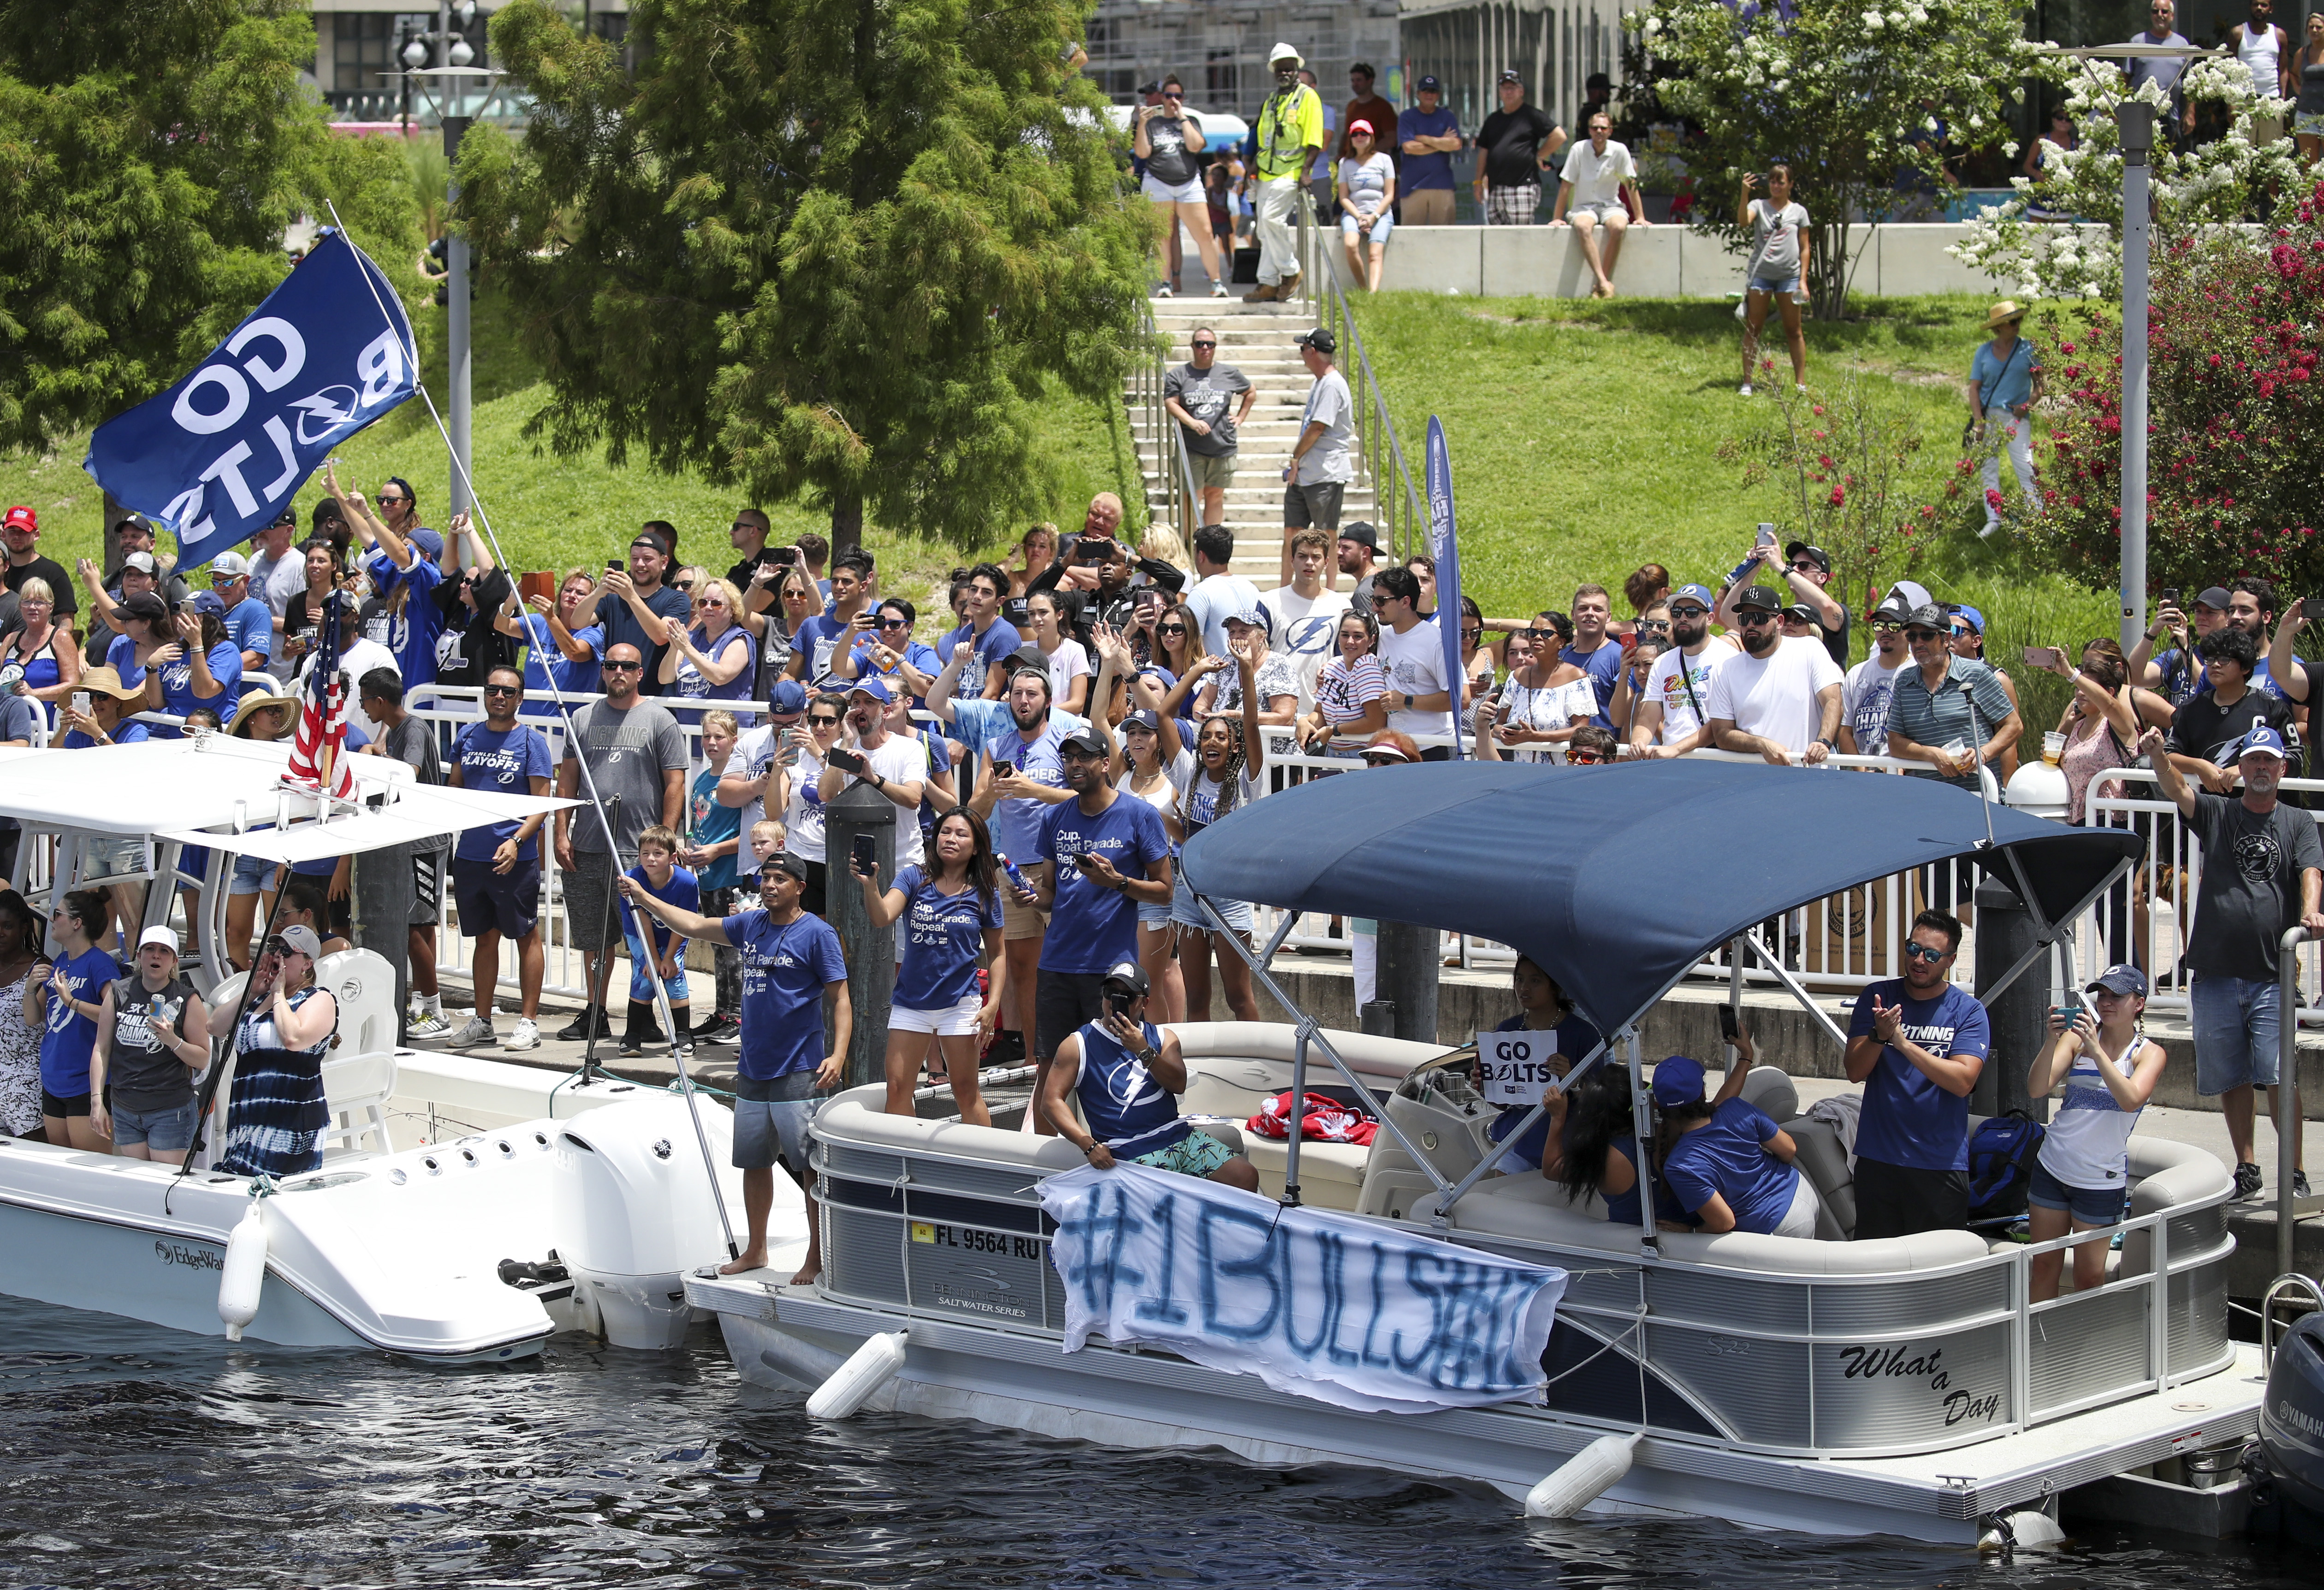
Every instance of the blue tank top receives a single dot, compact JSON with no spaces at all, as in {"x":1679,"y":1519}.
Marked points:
{"x":1123,"y":1106}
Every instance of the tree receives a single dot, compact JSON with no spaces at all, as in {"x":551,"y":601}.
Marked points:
{"x":2219,"y":182}
{"x":152,"y":154}
{"x":821,"y":249}
{"x":1850,"y":96}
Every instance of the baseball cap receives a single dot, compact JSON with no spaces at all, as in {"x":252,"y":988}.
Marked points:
{"x":145,"y":605}
{"x":1253,"y":615}
{"x":1910,"y":593}
{"x":288,"y":516}
{"x":133,"y":521}
{"x":142,"y":562}
{"x":1127,"y":974}
{"x":787,"y":699}
{"x":21,"y":518}
{"x":1678,"y":1080}
{"x":2214,"y":597}
{"x":2118,"y":979}
{"x":1800,"y":612}
{"x":875,"y":687}
{"x":206,"y":602}
{"x":1511,"y":75}
{"x":784,"y":861}
{"x":1360,"y":532}
{"x":428,"y":541}
{"x":231,"y":565}
{"x":1701,"y":593}
{"x":1968,"y":615}
{"x":1359,"y":125}
{"x":300,"y":938}
{"x":653,"y":538}
{"x":2263,"y":741}
{"x":1894,"y":610}
{"x":1145,"y":717}
{"x":1815,"y":554}
{"x":1927,"y":616}
{"x":1320,"y":339}
{"x":1429,"y":85}
{"x":167,"y":937}
{"x":1085,"y":740}
{"x":1760,"y":599}
{"x":1156,"y":671}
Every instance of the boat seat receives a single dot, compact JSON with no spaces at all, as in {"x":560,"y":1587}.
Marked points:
{"x":2164,"y":1174}
{"x":1770,"y":1092}
{"x":1792,"y":1255}
{"x":357,"y":1086}
{"x":1515,"y":1211}
{"x":1820,"y":1157}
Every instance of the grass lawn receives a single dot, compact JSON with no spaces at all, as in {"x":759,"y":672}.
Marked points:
{"x":1585,"y":440}
{"x":556,"y":512}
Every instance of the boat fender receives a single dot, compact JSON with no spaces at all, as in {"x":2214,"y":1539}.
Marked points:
{"x":243,"y":1274}
{"x":802,"y":1362}
{"x":867,"y":1368}
{"x":2026,"y":1531}
{"x":1582,"y":1478}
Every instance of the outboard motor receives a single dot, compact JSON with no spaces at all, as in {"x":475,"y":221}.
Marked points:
{"x":2291,"y":1423}
{"x":632,"y":1215}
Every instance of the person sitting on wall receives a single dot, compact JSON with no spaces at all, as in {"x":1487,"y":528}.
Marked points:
{"x":1126,"y":1074}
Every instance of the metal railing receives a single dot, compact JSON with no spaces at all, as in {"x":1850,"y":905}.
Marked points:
{"x":1181,"y":501}
{"x":1399,"y":511}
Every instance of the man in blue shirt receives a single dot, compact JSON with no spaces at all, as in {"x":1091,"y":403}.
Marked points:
{"x":1431,"y":137}
{"x":1593,"y":651}
{"x":792,"y":969}
{"x":249,"y":622}
{"x":821,"y":640}
{"x":642,"y":608}
{"x":1917,"y":1044}
{"x":496,"y":868}
{"x":2004,"y":382}
{"x":994,"y":638}
{"x":1100,"y":854}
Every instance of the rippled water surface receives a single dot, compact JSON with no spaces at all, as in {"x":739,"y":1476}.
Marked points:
{"x":135,"y":1456}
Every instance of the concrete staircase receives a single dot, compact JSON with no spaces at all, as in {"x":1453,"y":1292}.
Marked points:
{"x":1256,"y":339}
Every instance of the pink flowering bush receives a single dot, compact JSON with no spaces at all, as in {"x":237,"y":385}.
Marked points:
{"x":1840,"y":461}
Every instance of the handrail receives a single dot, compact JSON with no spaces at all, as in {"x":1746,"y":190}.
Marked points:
{"x":2288,"y":1123}
{"x":1406,"y":519}
{"x":1177,"y":471}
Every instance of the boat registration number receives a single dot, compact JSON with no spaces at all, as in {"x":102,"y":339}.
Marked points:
{"x":969,"y":1239}
{"x":1516,"y":1066}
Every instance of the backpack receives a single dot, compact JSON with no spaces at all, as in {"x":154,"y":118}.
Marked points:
{"x":2001,"y":1166}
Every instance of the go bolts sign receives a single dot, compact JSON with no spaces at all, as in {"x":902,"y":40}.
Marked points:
{"x":218,"y":455}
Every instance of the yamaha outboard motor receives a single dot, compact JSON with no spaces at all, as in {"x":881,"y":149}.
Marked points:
{"x":2291,"y":1421}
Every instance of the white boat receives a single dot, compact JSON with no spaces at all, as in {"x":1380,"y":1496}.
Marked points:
{"x":1908,"y":1386}
{"x":466,"y":1208}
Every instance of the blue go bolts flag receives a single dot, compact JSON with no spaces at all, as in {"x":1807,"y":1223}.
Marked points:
{"x":1443,"y":546}
{"x":218,"y":455}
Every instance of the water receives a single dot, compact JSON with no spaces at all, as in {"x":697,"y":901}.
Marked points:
{"x":138,"y":1457}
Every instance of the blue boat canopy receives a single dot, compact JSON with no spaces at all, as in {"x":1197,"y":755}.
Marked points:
{"x":1617,"y":880}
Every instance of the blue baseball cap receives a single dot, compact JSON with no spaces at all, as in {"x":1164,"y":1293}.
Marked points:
{"x":1701,"y":593}
{"x":2265,"y":740}
{"x":2118,"y":979}
{"x":1678,"y":1080}
{"x":428,"y":541}
{"x":1145,"y":717}
{"x":1156,"y":671}
{"x":786,"y":699}
{"x":873,"y":686}
{"x":210,"y":601}
{"x":1974,"y":619}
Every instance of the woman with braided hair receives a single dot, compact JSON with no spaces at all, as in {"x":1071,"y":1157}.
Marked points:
{"x":1220,"y":774}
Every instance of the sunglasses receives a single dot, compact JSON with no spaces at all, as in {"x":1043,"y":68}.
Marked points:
{"x":277,"y":947}
{"x":1169,"y":629}
{"x":503,"y":690}
{"x":820,"y":720}
{"x":612,"y":666}
{"x":1752,"y":620}
{"x":1917,"y":636}
{"x":1690,"y":611}
{"x":895,"y":623}
{"x":1807,"y":565}
{"x":384,"y":500}
{"x":1467,"y":634}
{"x":1655,"y":626}
{"x":1923,"y":952}
{"x":707,"y":602}
{"x":1389,"y":760}
{"x":1203,"y":344}
{"x":1584,"y":758}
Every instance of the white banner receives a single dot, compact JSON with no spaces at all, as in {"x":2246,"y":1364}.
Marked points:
{"x":1347,"y":1311}
{"x":1516,"y":1066}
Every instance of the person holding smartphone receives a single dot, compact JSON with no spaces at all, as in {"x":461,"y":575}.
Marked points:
{"x":2081,"y":1174}
{"x":891,"y":764}
{"x":949,"y":914}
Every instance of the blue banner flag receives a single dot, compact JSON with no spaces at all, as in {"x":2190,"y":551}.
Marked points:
{"x":218,"y":455}
{"x":1443,"y":546}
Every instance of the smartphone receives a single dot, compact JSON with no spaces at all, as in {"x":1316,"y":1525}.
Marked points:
{"x":2312,"y":608}
{"x":2171,"y":597}
{"x":864,"y":849}
{"x":786,"y":555}
{"x":845,"y":760}
{"x":2044,"y":657}
{"x":80,"y":702}
{"x":1117,"y":1004}
{"x":1004,"y":769}
{"x":1727,"y":1025}
{"x":613,"y":565}
{"x":1767,"y":535}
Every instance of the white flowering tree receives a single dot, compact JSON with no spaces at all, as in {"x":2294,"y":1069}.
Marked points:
{"x":2230,"y":178}
{"x":1850,"y":96}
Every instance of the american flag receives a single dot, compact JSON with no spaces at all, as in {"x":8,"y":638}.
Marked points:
{"x":319,"y":754}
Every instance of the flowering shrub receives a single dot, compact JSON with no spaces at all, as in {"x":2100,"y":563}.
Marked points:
{"x":1841,"y":463}
{"x":2234,"y":396}
{"x":2215,"y":183}
{"x":1849,"y":94}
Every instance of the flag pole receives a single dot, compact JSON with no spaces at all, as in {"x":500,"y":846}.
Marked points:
{"x":537,"y":637}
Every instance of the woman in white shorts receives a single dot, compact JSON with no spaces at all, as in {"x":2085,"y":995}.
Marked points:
{"x":1141,"y":768}
{"x":1367,"y":206}
{"x":1168,"y":137}
{"x":952,"y":910}
{"x":1220,"y":774}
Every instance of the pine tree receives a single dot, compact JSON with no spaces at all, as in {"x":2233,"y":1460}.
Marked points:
{"x":152,"y":154}
{"x":824,"y":248}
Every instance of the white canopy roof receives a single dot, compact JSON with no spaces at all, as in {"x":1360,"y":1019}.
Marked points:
{"x":198,"y":792}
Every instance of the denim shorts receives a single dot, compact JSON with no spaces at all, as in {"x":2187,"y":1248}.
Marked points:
{"x":2092,"y":1206}
{"x":251,"y":874}
{"x":1382,"y":227}
{"x":766,"y":1130}
{"x":2236,"y":1032}
{"x":169,"y":1131}
{"x":1186,"y":912}
{"x":1778,"y":285}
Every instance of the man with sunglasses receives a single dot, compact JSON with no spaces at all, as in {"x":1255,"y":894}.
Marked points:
{"x":748,"y":535}
{"x":1670,"y":721}
{"x":1946,"y":700}
{"x":636,"y":762}
{"x":1872,"y":683}
{"x":497,"y":865}
{"x":1780,"y":698}
{"x":1807,"y":570}
{"x":1197,"y":393}
{"x":1917,"y":1044}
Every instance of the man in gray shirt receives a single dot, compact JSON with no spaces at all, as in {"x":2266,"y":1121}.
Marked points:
{"x":1322,"y":460}
{"x":2163,"y":70}
{"x":636,"y":763}
{"x":1197,"y":393}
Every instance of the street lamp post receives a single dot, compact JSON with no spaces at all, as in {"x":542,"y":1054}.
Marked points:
{"x":2135,"y":120}
{"x":453,"y":55}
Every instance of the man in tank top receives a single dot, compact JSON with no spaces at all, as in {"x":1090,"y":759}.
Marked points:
{"x":2264,"y":51}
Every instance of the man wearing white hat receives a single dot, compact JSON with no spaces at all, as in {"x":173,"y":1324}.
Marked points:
{"x":1290,"y":136}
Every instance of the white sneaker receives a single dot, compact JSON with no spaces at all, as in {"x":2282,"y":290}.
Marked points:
{"x":1165,"y":291}
{"x":477,"y":1031}
{"x":1744,"y":391}
{"x":426,"y":1024}
{"x":526,"y":1036}
{"x":1219,"y":290}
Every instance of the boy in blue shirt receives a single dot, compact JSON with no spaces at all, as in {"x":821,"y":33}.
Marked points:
{"x":1917,"y":1044}
{"x":714,"y":833}
{"x":658,"y":872}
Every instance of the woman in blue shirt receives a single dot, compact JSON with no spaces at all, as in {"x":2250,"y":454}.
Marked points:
{"x":953,"y":905}
{"x":569,"y":661}
{"x":63,"y":1003}
{"x":1542,"y":1008}
{"x":712,"y":660}
{"x":1725,"y":1161}
{"x":201,"y":668}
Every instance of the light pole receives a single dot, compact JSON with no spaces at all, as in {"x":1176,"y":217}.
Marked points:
{"x":2135,"y":120}
{"x":453,"y":55}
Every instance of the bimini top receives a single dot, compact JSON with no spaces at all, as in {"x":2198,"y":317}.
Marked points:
{"x":1616,"y":880}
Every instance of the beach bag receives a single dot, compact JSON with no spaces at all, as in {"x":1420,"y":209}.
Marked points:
{"x":2001,"y":1166}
